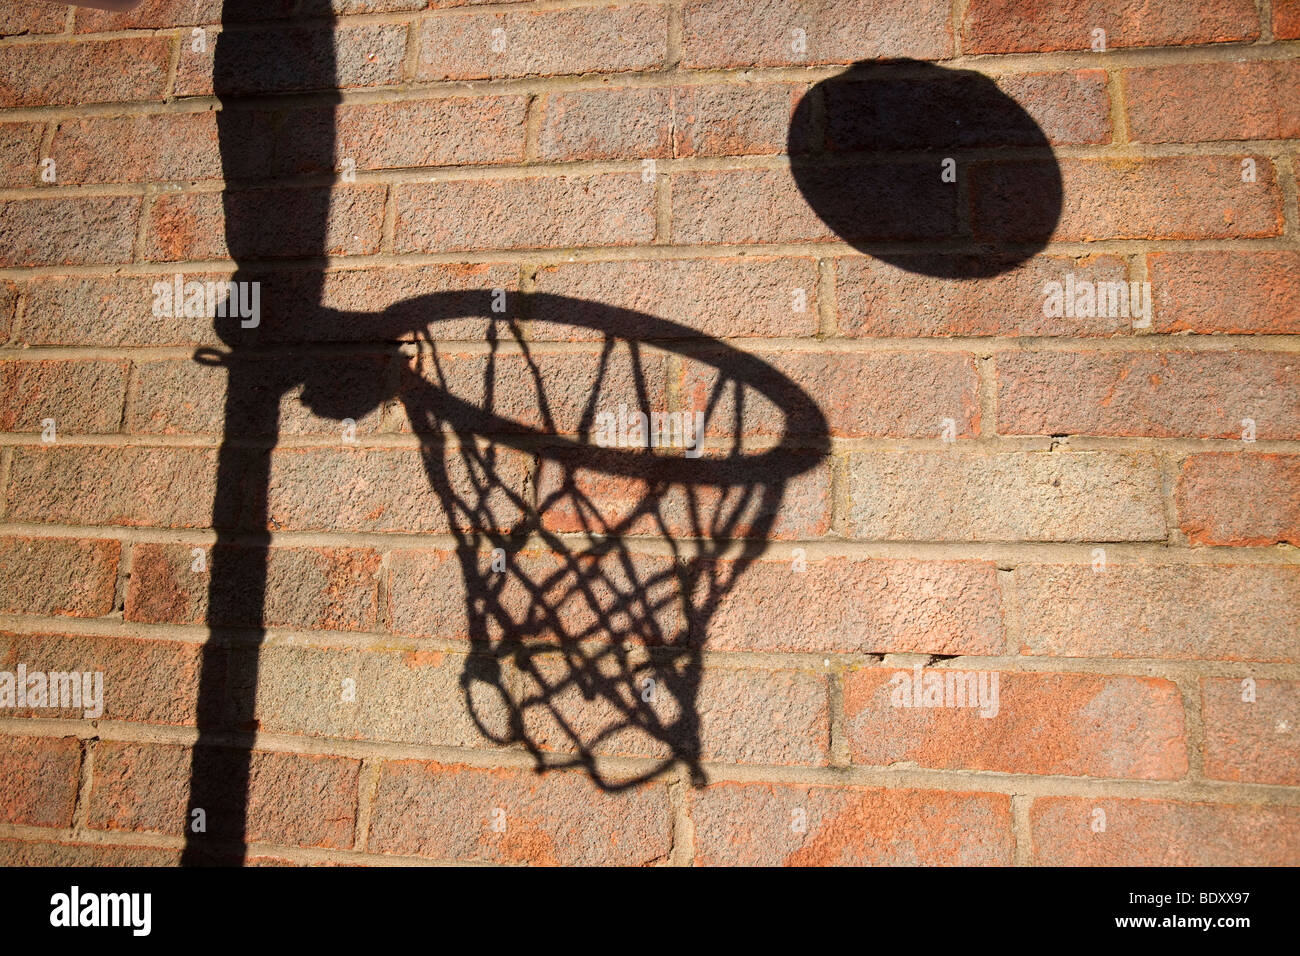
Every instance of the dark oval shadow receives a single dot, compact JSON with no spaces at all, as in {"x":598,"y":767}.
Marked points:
{"x":867,"y":150}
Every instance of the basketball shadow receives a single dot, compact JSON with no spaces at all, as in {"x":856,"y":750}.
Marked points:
{"x":582,"y":645}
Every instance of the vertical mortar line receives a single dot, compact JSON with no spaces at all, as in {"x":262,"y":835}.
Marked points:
{"x":384,"y":592}
{"x":1119,"y":132}
{"x":411,"y":60}
{"x":958,"y":15}
{"x":367,"y":788}
{"x":1013,"y":638}
{"x":138,"y":247}
{"x":1022,"y":829}
{"x":1285,"y":170}
{"x":683,"y":835}
{"x":6,"y":458}
{"x":838,"y":730}
{"x":827,"y":306}
{"x":673,"y":45}
{"x":1265,"y":8}
{"x":125,"y":561}
{"x":85,"y":776}
{"x":839,"y":491}
{"x":526,"y":279}
{"x":1193,"y":725}
{"x":174,"y":61}
{"x":1138,"y":272}
{"x":534,"y":106}
{"x":388,"y":235}
{"x":986,"y":368}
{"x":1170,"y":465}
{"x":69,"y":24}
{"x":46,"y":146}
{"x":20,"y":312}
{"x":663,"y":197}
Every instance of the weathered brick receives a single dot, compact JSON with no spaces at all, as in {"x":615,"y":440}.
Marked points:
{"x":1070,"y":724}
{"x":157,"y":487}
{"x":281,"y":60}
{"x":765,"y":205}
{"x":1162,"y":833}
{"x":525,"y":213}
{"x":83,"y":397}
{"x":837,"y":31}
{"x":896,"y":394}
{"x":1286,"y":19}
{"x":19,"y":18}
{"x":762,"y":824}
{"x":458,"y":45}
{"x":666,"y":122}
{"x":1255,"y":741}
{"x":389,"y":490}
{"x":1029,"y":496}
{"x":161,"y":14}
{"x":42,"y":232}
{"x":452,"y":131}
{"x":1157,"y":394}
{"x":92,"y":71}
{"x":47,"y":768}
{"x":152,"y":147}
{"x":726,"y":298}
{"x":840,"y":606}
{"x":915,"y":296}
{"x":1025,"y":26}
{"x":1189,"y":611}
{"x":446,"y":812}
{"x":187,"y":398}
{"x":744,"y":716}
{"x":320,"y":588}
{"x":8,"y":306}
{"x":1167,"y":197}
{"x":198,"y":225}
{"x":1237,"y":292}
{"x":19,"y":145}
{"x":1239,"y":499}
{"x":40,"y":853}
{"x":75,"y":577}
{"x":145,"y":681}
{"x":292,"y":799}
{"x":1205,"y":102}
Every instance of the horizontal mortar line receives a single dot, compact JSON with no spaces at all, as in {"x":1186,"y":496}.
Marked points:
{"x":1009,"y":554}
{"x":820,"y":661}
{"x":700,"y":344}
{"x":1038,"y":785}
{"x":509,"y":171}
{"x":562,"y":255}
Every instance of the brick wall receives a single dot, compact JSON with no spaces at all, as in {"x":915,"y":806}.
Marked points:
{"x":1074,"y":503}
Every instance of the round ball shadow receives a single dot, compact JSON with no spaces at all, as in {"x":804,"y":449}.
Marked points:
{"x":868,"y":148}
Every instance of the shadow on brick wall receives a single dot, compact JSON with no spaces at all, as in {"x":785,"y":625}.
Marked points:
{"x":581,"y":645}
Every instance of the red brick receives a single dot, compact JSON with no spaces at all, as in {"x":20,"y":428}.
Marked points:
{"x":1286,"y":19}
{"x":1157,"y":394}
{"x":80,"y":396}
{"x":151,"y":487}
{"x":187,"y":398}
{"x":668,"y":122}
{"x":161,"y":14}
{"x":1024,"y":26}
{"x":1237,"y":292}
{"x":895,"y":395}
{"x":46,"y":769}
{"x":73,"y":577}
{"x":20,"y":18}
{"x":839,"y":606}
{"x":544,"y":594}
{"x":8,"y":305}
{"x":1204,"y":102}
{"x":92,"y":71}
{"x":1239,"y":499}
{"x":765,"y":205}
{"x":194,"y":226}
{"x":529,"y":213}
{"x":19,"y":145}
{"x":43,"y":232}
{"x":755,"y":824}
{"x":319,"y":588}
{"x":1028,"y":496}
{"x":40,"y":853}
{"x":1068,"y":724}
{"x":543,"y":392}
{"x":1070,"y":108}
{"x":878,"y":298}
{"x":1183,"y":612}
{"x":389,"y":490}
{"x":307,"y":58}
{"x":451,"y":131}
{"x":1173,"y":197}
{"x":153,"y":147}
{"x":780,"y":494}
{"x":293,"y":799}
{"x":1162,"y":833}
{"x":612,"y":39}
{"x":744,"y":297}
{"x":1256,"y":741}
{"x":445,"y":812}
{"x":145,"y":681}
{"x":729,"y":33}
{"x":772,"y":717}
